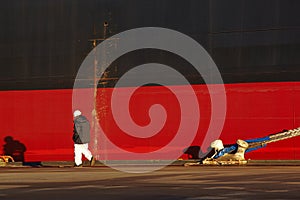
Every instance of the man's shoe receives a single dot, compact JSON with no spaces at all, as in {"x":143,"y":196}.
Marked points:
{"x":92,"y":161}
{"x":78,"y":166}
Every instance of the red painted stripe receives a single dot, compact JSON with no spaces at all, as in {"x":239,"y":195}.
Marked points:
{"x":42,"y":119}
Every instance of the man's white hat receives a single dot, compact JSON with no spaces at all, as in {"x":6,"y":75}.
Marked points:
{"x":76,"y":113}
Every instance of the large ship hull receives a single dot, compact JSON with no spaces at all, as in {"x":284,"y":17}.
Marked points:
{"x":255,"y":45}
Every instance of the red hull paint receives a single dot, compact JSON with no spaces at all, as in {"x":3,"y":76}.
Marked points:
{"x":42,"y":119}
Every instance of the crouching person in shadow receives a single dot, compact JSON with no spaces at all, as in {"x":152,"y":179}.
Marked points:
{"x":14,"y":148}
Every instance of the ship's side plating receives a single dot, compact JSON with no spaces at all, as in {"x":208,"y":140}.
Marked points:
{"x":254,"y":43}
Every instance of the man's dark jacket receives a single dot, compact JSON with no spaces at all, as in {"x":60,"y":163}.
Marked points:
{"x":81,"y":131}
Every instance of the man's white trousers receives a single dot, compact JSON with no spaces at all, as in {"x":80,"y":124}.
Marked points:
{"x":80,"y":149}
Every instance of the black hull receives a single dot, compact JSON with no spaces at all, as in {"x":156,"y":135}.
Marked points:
{"x":43,"y":43}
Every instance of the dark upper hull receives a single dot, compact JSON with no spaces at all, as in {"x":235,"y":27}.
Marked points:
{"x":43,"y":43}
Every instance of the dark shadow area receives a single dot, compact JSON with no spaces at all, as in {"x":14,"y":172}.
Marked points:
{"x":33,"y":164}
{"x":14,"y":148}
{"x":195,"y":152}
{"x":192,"y":152}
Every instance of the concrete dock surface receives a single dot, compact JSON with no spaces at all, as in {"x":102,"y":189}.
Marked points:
{"x":172,"y":183}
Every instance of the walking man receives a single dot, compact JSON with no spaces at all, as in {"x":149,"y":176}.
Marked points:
{"x":81,"y":138}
